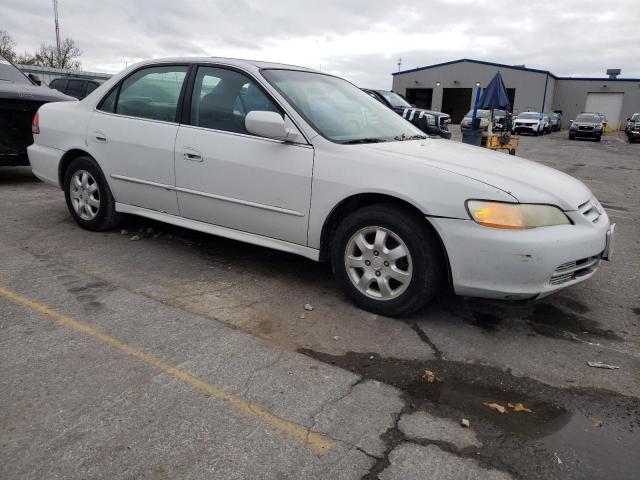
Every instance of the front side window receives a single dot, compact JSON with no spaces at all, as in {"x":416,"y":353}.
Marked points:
{"x":338,"y":110}
{"x":151,"y":93}
{"x":222,"y":98}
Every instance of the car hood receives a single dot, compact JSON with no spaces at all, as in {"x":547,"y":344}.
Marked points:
{"x":40,"y":93}
{"x":585,"y":124}
{"x":525,"y":180}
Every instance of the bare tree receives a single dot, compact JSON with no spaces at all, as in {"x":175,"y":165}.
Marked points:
{"x":7,"y":46}
{"x":26,"y":59}
{"x":66,"y":58}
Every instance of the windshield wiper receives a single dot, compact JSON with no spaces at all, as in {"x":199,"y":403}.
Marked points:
{"x":401,"y":138}
{"x":364,"y":140}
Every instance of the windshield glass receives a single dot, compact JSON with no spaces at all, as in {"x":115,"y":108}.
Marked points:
{"x":395,"y":100}
{"x":588,"y":118}
{"x":337,"y":109}
{"x":9,"y":73}
{"x":479,"y":114}
{"x":529,"y":116}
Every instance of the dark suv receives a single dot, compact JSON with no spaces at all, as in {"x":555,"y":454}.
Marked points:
{"x":75,"y":87}
{"x":430,"y":122}
{"x":632,"y":128}
{"x":587,"y":125}
{"x":20,"y":98}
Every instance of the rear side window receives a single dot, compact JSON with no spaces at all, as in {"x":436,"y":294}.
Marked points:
{"x":58,"y":84}
{"x":75,"y":88}
{"x":91,"y":86}
{"x":222,"y":98}
{"x":109,"y":102}
{"x":150,"y":93}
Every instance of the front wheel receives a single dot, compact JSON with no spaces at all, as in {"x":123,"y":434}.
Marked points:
{"x":387,"y":260}
{"x":88,"y":196}
{"x":571,"y":137}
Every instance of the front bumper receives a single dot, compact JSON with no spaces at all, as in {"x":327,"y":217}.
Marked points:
{"x":586,"y":133}
{"x":633,"y":133}
{"x":518,"y":128}
{"x":523,"y":264}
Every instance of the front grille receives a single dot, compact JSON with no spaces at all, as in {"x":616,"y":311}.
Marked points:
{"x":575,"y":269}
{"x":591,"y":210}
{"x":585,"y":128}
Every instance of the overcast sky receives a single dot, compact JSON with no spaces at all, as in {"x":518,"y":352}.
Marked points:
{"x":358,"y":39}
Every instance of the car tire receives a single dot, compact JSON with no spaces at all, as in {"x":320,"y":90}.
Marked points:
{"x":89,"y":198}
{"x":358,"y":239}
{"x":599,"y":138}
{"x":571,"y":137}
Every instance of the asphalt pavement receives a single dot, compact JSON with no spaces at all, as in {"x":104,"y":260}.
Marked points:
{"x":155,"y":352}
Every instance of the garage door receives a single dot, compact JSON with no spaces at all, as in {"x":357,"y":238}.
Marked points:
{"x":609,"y":104}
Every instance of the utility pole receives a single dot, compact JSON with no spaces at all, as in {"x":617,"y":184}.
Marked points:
{"x":399,"y":62}
{"x":55,"y":12}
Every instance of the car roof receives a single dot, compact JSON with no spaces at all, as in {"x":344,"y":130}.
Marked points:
{"x":238,"y":62}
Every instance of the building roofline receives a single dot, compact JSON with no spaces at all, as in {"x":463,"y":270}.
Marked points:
{"x":601,"y":79}
{"x":514,"y":67}
{"x":480,"y":62}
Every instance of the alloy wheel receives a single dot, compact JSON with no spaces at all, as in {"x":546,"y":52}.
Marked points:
{"x":85,"y":195}
{"x":378,"y":263}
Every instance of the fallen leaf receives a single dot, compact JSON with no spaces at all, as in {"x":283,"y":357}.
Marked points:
{"x":597,"y":422}
{"x":496,"y":406}
{"x":519,"y":407}
{"x":429,"y":376}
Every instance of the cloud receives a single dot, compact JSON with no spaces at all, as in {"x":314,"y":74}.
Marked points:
{"x":359,"y":39}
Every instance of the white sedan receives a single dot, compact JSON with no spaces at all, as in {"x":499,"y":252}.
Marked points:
{"x":301,"y":161}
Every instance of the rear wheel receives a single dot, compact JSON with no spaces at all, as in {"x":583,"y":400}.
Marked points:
{"x":88,"y":196}
{"x":387,"y":260}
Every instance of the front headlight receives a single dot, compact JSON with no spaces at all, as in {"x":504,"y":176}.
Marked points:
{"x":515,"y":216}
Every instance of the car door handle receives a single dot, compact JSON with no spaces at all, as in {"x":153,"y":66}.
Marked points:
{"x":100,"y":137}
{"x":192,"y":155}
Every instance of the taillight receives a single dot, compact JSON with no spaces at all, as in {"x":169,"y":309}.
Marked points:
{"x":35,"y":124}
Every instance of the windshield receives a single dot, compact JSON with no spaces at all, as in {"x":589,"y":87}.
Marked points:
{"x":588,"y":118}
{"x":10,"y":73}
{"x":529,"y":116}
{"x":338,"y":110}
{"x":395,"y":100}
{"x":479,"y":114}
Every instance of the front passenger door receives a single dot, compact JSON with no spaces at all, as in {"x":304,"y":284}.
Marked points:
{"x":231,"y":178}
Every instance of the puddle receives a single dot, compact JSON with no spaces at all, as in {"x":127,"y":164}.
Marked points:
{"x":551,"y":321}
{"x":485,"y":321}
{"x":518,"y":442}
{"x":607,"y":452}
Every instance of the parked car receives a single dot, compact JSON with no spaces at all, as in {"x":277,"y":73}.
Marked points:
{"x":75,"y":87}
{"x":246,"y":150}
{"x":429,"y":121}
{"x":483,"y":115}
{"x":529,"y":122}
{"x":555,"y":120}
{"x":20,"y":98}
{"x":587,"y":125}
{"x":546,"y":123}
{"x":632,"y":128}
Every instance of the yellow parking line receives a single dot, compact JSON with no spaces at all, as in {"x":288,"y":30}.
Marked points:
{"x":316,"y":442}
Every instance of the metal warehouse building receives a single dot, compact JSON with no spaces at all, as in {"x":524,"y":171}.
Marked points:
{"x":451,"y":87}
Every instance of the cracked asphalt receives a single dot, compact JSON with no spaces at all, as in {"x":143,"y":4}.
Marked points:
{"x":183,"y":355}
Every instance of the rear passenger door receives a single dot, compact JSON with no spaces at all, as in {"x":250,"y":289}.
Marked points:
{"x":132,"y":135}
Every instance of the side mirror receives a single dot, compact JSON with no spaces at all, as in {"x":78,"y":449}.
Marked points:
{"x":35,"y":79}
{"x":570,"y":121}
{"x":266,"y":124}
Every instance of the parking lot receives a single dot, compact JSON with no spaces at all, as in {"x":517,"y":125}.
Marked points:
{"x":156,"y":352}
